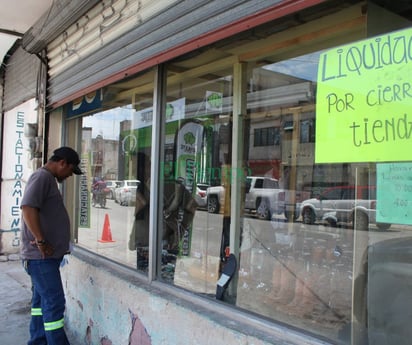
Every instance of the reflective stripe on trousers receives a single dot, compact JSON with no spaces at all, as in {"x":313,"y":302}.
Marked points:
{"x":52,"y":326}
{"x":36,"y":312}
{"x":48,"y":326}
{"x":48,"y":303}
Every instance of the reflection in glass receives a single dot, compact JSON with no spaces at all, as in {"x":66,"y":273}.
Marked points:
{"x":309,"y":266}
{"x":116,"y":145}
{"x":196,"y":150}
{"x":310,"y":233}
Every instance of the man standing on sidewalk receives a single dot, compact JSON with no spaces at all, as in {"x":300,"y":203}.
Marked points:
{"x":45,"y":239}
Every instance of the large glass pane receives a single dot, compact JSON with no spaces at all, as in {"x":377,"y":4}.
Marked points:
{"x":116,"y":148}
{"x":197,"y":148}
{"x":295,"y":266}
{"x":327,"y":249}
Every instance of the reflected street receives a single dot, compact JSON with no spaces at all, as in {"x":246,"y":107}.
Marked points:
{"x":285,"y":269}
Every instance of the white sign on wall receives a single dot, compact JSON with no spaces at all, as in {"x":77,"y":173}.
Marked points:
{"x":17,"y":168}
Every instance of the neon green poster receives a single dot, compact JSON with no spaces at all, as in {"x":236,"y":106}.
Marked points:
{"x":394,"y":193}
{"x":364,"y":101}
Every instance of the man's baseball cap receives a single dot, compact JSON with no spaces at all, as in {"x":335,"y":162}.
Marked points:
{"x":70,"y":156}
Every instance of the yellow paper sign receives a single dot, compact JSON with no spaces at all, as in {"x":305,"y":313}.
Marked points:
{"x":364,"y":101}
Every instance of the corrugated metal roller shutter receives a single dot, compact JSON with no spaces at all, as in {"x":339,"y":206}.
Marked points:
{"x":20,"y":78}
{"x":103,"y":24}
{"x":61,"y":15}
{"x":156,"y":34}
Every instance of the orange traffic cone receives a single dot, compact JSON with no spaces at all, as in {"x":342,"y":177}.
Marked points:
{"x":107,"y":232}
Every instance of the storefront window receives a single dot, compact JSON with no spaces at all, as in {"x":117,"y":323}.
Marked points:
{"x":320,"y":170}
{"x":116,"y":144}
{"x":197,"y":147}
{"x":314,"y":218}
{"x":295,"y":267}
{"x":321,"y":251}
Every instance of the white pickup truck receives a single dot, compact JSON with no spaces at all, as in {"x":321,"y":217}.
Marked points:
{"x":262,"y":196}
{"x":351,"y":204}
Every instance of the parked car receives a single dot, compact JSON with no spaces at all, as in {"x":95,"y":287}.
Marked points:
{"x":350,"y":204}
{"x":125,"y":193}
{"x":262,"y":197}
{"x":201,"y":195}
{"x":111,"y":185}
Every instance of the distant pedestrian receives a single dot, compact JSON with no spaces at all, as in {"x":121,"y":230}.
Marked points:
{"x":45,"y":239}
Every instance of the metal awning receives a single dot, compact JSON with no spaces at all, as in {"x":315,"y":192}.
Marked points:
{"x":16,"y":17}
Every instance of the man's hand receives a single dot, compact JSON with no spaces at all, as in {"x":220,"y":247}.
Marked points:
{"x":45,"y":248}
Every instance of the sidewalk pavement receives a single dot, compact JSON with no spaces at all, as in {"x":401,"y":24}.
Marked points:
{"x":15,"y":301}
{"x":15,"y":295}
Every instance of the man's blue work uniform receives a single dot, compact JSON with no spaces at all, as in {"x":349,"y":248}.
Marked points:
{"x":48,"y":301}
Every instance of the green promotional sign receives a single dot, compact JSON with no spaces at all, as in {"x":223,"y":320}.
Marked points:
{"x":394,"y":193}
{"x":188,"y":150}
{"x":364,"y":101}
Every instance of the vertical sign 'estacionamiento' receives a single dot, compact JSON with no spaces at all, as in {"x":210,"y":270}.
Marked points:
{"x":364,"y":101}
